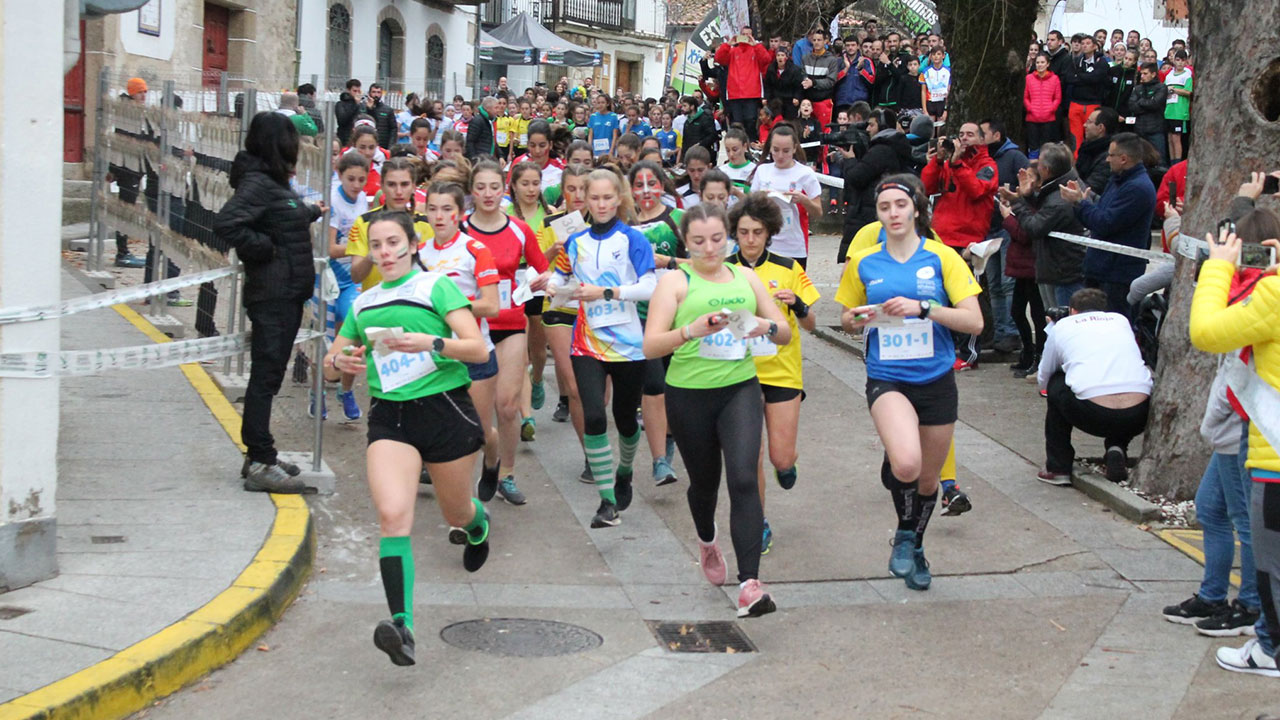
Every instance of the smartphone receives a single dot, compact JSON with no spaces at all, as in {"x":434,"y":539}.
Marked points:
{"x":1173,"y":192}
{"x":1271,"y":185}
{"x":1260,"y":257}
{"x":1227,"y":225}
{"x":742,"y":39}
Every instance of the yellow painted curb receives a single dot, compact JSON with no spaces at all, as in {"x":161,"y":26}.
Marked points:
{"x":211,"y":636}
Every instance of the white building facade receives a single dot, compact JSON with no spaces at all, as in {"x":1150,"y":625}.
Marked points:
{"x":407,"y":45}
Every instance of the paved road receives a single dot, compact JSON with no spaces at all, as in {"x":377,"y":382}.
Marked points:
{"x":1044,"y":604}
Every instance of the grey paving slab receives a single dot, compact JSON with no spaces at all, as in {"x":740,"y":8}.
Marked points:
{"x":699,"y":601}
{"x":1163,"y":563}
{"x":31,"y":662}
{"x":1082,"y":582}
{"x":823,"y":594}
{"x":633,"y":688}
{"x":202,"y":565}
{"x":92,"y":621}
{"x":952,"y":589}
{"x":551,"y":596}
{"x":177,"y":592}
{"x":424,"y":593}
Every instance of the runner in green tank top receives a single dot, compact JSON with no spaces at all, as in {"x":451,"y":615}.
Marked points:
{"x":418,"y":330}
{"x":661,"y":227}
{"x":703,"y":314}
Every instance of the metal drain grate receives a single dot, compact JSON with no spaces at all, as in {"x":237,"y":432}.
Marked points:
{"x":702,"y":637}
{"x":106,"y":539}
{"x":520,"y":637}
{"x":9,"y":612}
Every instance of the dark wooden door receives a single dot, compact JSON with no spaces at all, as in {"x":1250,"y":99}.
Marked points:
{"x":217,"y":22}
{"x":622,"y":83}
{"x":73,"y":109}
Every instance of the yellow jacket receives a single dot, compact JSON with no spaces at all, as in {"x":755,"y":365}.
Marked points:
{"x":1255,"y":321}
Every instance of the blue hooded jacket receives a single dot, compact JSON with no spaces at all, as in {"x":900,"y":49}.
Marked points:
{"x":1122,"y":215}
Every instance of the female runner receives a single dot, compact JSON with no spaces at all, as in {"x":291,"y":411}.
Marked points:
{"x":660,"y":225}
{"x":752,"y":223}
{"x":798,"y":183}
{"x":419,"y":412}
{"x":470,"y":265}
{"x":559,"y":321}
{"x":713,"y":393}
{"x":612,"y":265}
{"x":510,"y":242}
{"x":912,"y":292}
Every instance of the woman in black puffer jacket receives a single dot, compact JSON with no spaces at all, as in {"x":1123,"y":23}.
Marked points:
{"x":269,"y":227}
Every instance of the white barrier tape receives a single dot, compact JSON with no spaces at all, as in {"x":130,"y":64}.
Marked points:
{"x":830,"y":181}
{"x":1259,"y":400}
{"x":136,"y":357}
{"x":1149,"y":255}
{"x":1189,"y":247}
{"x":96,"y":301}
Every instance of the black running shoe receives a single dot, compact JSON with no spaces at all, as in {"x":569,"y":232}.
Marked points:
{"x":396,"y":640}
{"x":606,"y":515}
{"x":587,"y":476}
{"x":1193,"y":610}
{"x":955,"y":502}
{"x":458,"y":536}
{"x":562,"y":412}
{"x":1235,"y":619}
{"x":424,"y":477}
{"x":488,"y":486}
{"x":622,"y":490}
{"x":1117,"y":464}
{"x":473,"y":556}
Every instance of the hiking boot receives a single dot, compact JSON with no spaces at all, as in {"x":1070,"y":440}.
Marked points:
{"x":273,"y":479}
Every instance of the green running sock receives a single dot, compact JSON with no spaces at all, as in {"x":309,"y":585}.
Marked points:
{"x":627,"y":451}
{"x":395,"y":559}
{"x":478,"y":528}
{"x":600,"y":458}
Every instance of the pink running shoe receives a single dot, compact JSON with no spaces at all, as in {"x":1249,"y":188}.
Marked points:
{"x":712,"y":561}
{"x":753,"y":601}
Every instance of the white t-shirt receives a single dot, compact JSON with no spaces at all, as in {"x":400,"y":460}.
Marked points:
{"x":677,"y":123}
{"x":938,"y":82}
{"x":790,"y":241}
{"x":1098,"y":353}
{"x":343,"y":216}
{"x":741,"y":175}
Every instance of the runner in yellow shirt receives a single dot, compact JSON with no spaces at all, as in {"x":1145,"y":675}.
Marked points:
{"x":752,"y":222}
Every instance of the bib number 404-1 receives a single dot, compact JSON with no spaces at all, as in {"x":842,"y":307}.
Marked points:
{"x":397,"y":369}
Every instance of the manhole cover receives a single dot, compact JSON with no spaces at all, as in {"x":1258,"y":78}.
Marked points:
{"x":519,"y":637}
{"x":702,"y":637}
{"x":9,"y":612}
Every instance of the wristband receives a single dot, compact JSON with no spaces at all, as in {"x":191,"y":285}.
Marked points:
{"x":671,"y":263}
{"x":800,"y":308}
{"x":684,"y":333}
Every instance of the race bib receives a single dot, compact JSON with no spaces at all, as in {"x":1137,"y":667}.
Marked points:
{"x":504,"y":294}
{"x":607,"y":313}
{"x":911,"y":340}
{"x":600,"y":145}
{"x":721,"y":345}
{"x":524,"y":139}
{"x":397,"y":369}
{"x":502,"y":137}
{"x":762,"y":347}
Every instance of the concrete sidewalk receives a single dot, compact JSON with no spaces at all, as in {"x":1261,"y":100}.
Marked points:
{"x":167,"y":567}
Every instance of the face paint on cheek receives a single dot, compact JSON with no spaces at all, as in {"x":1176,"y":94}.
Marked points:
{"x":403,"y":252}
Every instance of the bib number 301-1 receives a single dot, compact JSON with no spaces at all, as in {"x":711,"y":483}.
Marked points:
{"x":397,"y":369}
{"x":910,"y":341}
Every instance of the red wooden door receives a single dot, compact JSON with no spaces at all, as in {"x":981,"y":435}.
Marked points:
{"x":73,"y":109}
{"x":217,"y":21}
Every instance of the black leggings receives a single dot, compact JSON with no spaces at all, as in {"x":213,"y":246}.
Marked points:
{"x":706,"y":425}
{"x":1026,"y":292}
{"x":628,"y":381}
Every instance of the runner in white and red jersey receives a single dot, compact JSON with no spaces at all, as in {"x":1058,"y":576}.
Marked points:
{"x":540,"y":154}
{"x":470,"y":265}
{"x":513,"y":244}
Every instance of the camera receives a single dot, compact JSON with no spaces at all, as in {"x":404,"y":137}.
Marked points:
{"x":1057,"y":313}
{"x":849,"y":139}
{"x":947,"y":145}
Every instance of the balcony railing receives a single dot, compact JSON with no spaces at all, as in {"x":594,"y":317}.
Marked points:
{"x":603,"y":14}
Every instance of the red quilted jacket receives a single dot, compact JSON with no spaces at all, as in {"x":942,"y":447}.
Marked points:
{"x":1041,"y":97}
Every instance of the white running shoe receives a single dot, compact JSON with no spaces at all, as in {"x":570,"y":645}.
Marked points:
{"x":1248,"y":658}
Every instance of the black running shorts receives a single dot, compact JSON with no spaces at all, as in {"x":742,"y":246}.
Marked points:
{"x":936,"y":402}
{"x":442,"y":427}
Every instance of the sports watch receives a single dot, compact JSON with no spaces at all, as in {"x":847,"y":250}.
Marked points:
{"x":437,"y":345}
{"x":608,"y":293}
{"x":925,"y":307}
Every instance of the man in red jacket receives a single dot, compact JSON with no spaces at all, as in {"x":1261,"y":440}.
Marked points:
{"x":747,"y":61}
{"x":964,"y":177}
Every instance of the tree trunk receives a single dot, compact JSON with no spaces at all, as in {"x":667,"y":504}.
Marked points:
{"x":987,"y":40}
{"x":1234,"y":120}
{"x":792,"y":19}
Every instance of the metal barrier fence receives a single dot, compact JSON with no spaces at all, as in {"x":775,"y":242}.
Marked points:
{"x":175,"y":150}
